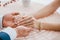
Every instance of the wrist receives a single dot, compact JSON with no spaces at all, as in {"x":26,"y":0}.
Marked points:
{"x":37,"y":25}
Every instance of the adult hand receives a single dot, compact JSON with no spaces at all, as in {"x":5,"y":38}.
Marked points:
{"x":23,"y":31}
{"x":26,"y":21}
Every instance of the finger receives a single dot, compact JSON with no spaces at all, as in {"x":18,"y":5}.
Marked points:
{"x":22,"y":18}
{"x":18,"y":18}
{"x":26,"y":18}
{"x":26,"y":22}
{"x":23,"y":22}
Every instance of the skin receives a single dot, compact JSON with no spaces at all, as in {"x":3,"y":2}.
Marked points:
{"x":46,"y":11}
{"x":22,"y":32}
{"x":8,"y":20}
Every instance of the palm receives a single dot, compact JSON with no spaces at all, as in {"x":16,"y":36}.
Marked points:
{"x":23,"y":31}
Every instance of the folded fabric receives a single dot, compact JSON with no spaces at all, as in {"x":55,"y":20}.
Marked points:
{"x":8,"y":33}
{"x":4,"y":36}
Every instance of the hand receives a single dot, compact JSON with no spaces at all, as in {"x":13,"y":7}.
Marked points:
{"x":26,"y":21}
{"x":23,"y":31}
{"x":14,"y":20}
{"x":8,"y":20}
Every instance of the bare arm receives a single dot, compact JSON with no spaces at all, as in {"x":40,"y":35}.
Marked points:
{"x":50,"y":26}
{"x":48,"y":10}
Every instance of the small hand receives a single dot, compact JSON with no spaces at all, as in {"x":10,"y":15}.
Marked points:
{"x":8,"y":19}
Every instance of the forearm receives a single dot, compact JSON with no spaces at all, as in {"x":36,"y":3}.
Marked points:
{"x":50,"y":26}
{"x":47,"y":10}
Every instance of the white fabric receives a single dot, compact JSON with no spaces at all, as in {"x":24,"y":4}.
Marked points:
{"x":11,"y":32}
{"x":1,"y":17}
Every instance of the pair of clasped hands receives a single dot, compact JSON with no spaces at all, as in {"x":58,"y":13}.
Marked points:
{"x":23,"y":25}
